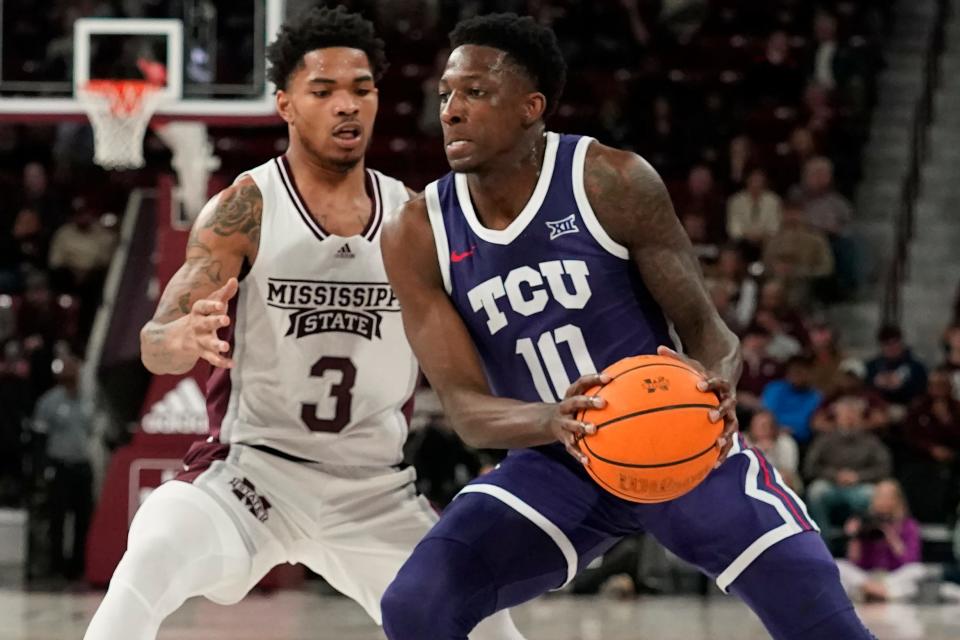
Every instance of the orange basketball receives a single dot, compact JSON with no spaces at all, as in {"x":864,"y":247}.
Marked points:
{"x":654,"y":440}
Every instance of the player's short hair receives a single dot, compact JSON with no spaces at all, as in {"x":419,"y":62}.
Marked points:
{"x":321,"y":28}
{"x":533,"y":47}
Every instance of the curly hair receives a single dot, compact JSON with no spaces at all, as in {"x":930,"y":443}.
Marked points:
{"x":320,"y":28}
{"x":531,"y":46}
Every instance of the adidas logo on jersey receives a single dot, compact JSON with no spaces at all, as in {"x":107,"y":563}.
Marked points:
{"x":182,"y":410}
{"x":344,"y":252}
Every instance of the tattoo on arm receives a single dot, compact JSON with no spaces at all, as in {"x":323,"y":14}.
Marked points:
{"x":239,"y":212}
{"x":217,"y":245}
{"x":633,"y":205}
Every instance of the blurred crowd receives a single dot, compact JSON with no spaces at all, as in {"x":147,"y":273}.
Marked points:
{"x":755,"y":113}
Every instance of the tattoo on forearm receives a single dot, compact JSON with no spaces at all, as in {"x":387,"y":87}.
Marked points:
{"x":184,"y":303}
{"x":238,"y":213}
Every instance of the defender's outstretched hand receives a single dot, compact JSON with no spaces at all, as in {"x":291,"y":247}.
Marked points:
{"x":206,"y":317}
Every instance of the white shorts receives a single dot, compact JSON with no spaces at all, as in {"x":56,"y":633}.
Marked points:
{"x":355,"y":526}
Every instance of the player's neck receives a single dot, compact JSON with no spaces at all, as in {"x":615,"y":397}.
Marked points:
{"x":500,"y":193}
{"x":311,"y":173}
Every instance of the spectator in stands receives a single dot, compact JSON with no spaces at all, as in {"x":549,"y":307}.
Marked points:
{"x":702,"y":197}
{"x":951,"y":362}
{"x":829,"y":212}
{"x":16,"y":399}
{"x":38,"y":315}
{"x":818,"y":112}
{"x":38,"y":196}
{"x":759,"y":370}
{"x":932,"y":426}
{"x":883,"y":554}
{"x":843,"y":465}
{"x":81,"y":249}
{"x":31,"y":239}
{"x":80,"y":253}
{"x":792,"y":157}
{"x":776,"y":78}
{"x":660,"y":141}
{"x":721,"y":293}
{"x":826,"y":209}
{"x":783,"y":345}
{"x":740,"y":157}
{"x":695,"y":224}
{"x":799,"y":254}
{"x":67,"y":420}
{"x":827,"y":355}
{"x":828,"y":65}
{"x":928,"y":465}
{"x":792,"y":400}
{"x":850,"y":382}
{"x":754,"y":214}
{"x":894,"y":372}
{"x":773,"y":299}
{"x":778,"y":446}
{"x":745,"y":291}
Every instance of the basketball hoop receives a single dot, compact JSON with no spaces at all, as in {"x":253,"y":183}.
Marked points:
{"x":119,"y":111}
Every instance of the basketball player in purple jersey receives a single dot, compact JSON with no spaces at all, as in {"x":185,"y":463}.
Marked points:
{"x":544,"y":258}
{"x":311,"y":367}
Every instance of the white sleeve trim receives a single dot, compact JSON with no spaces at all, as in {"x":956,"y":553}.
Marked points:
{"x":583,"y":203}
{"x":435,"y":215}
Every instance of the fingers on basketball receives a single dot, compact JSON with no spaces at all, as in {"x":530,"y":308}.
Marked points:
{"x":629,"y":455}
{"x":587,"y":382}
{"x":667,"y":352}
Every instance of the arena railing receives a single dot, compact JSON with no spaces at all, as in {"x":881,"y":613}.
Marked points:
{"x":904,"y":224}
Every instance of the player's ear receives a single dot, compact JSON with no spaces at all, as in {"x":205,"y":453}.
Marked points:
{"x":534,"y":108}
{"x":284,"y":107}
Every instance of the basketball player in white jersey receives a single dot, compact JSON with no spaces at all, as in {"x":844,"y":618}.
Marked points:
{"x":284,"y":292}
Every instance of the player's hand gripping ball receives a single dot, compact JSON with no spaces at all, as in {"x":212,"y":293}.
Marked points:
{"x":654,"y":440}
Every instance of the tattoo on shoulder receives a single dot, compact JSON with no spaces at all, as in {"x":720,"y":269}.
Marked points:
{"x":601,"y":183}
{"x":625,"y":193}
{"x":238,"y":212}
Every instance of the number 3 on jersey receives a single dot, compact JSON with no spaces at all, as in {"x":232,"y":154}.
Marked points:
{"x":340,"y":374}
{"x":546,"y":349}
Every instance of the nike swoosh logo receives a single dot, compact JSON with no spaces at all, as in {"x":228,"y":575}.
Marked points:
{"x":460,"y":257}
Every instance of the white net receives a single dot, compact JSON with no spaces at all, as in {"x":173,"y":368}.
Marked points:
{"x":119,"y":111}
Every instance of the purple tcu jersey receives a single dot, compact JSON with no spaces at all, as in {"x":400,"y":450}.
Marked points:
{"x":551,"y":297}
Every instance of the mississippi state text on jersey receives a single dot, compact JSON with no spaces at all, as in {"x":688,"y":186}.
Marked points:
{"x":323,"y":367}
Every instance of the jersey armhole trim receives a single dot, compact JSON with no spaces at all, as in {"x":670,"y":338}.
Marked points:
{"x":583,"y":203}
{"x":435,"y":216}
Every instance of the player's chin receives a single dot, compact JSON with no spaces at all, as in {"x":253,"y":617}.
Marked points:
{"x":345,"y":158}
{"x":462,"y":164}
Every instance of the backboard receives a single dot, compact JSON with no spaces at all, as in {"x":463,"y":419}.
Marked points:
{"x":209,"y":55}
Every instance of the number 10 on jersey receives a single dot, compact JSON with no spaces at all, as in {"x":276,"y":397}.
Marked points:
{"x":547,"y":349}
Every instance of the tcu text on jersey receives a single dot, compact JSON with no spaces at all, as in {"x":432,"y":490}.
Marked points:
{"x":525,"y":291}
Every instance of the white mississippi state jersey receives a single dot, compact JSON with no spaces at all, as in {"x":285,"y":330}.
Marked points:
{"x":322,"y":366}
